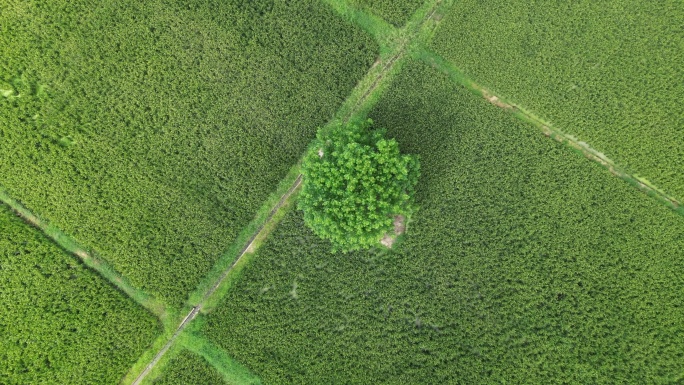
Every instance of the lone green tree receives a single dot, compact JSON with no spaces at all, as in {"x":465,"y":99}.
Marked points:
{"x":355,"y":182}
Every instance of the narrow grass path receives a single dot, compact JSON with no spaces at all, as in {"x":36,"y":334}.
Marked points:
{"x":232,"y":371}
{"x":195,"y":310}
{"x":162,"y":311}
{"x":436,"y":61}
{"x":395,"y":46}
{"x":383,"y":32}
{"x":409,"y":39}
{"x":166,"y":315}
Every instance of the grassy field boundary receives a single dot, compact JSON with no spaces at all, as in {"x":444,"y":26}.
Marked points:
{"x":90,"y":259}
{"x":155,"y":360}
{"x":408,"y":39}
{"x":229,"y":277}
{"x":360,"y":101}
{"x":234,"y":252}
{"x":158,"y":371}
{"x":426,"y":19}
{"x":217,"y":290}
{"x":147,"y":356}
{"x":167,"y":344}
{"x":383,"y":32}
{"x":232,"y":371}
{"x":549,"y":130}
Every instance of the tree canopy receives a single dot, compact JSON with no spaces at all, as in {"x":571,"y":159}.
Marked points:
{"x":355,"y":182}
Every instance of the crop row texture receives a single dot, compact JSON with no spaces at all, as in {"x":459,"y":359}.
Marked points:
{"x":152,"y":131}
{"x":60,"y":322}
{"x":608,"y":72}
{"x":188,"y":368}
{"x":396,"y":12}
{"x":525,"y":263}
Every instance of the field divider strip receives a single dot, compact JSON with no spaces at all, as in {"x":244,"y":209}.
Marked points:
{"x":188,"y":318}
{"x":407,"y":39}
{"x":382,"y":31}
{"x":267,"y":225}
{"x":249,"y":247}
{"x":436,"y":61}
{"x":362,"y":98}
{"x":232,"y":371}
{"x":100,"y":266}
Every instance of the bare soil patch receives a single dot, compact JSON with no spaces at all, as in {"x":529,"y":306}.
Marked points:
{"x":495,"y":100}
{"x":399,"y":228}
{"x":82,"y":254}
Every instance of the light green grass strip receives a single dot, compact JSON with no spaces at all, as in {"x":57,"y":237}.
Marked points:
{"x":423,"y":23}
{"x":200,"y":294}
{"x":407,"y":40}
{"x":69,"y":244}
{"x":436,"y":61}
{"x":232,"y":371}
{"x":148,"y":356}
{"x":383,"y":32}
{"x":356,"y":107}
{"x":367,"y":93}
{"x":286,"y":203}
{"x":152,"y":363}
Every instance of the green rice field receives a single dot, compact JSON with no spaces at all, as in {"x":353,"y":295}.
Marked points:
{"x":153,"y":131}
{"x":526,"y":263}
{"x":607,"y":72}
{"x":61,"y":323}
{"x":152,"y":156}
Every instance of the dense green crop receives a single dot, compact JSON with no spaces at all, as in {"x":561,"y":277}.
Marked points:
{"x":152,"y":131}
{"x":189,"y":369}
{"x":608,"y":72}
{"x":396,"y":12}
{"x":61,"y":323}
{"x":355,"y":183}
{"x":526,"y":263}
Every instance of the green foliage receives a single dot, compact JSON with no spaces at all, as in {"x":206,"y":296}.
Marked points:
{"x":152,"y":131}
{"x":396,"y":12}
{"x":608,"y":72}
{"x":61,"y":323}
{"x":189,"y":369}
{"x":526,"y":264}
{"x":355,"y":182}
{"x":232,"y":371}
